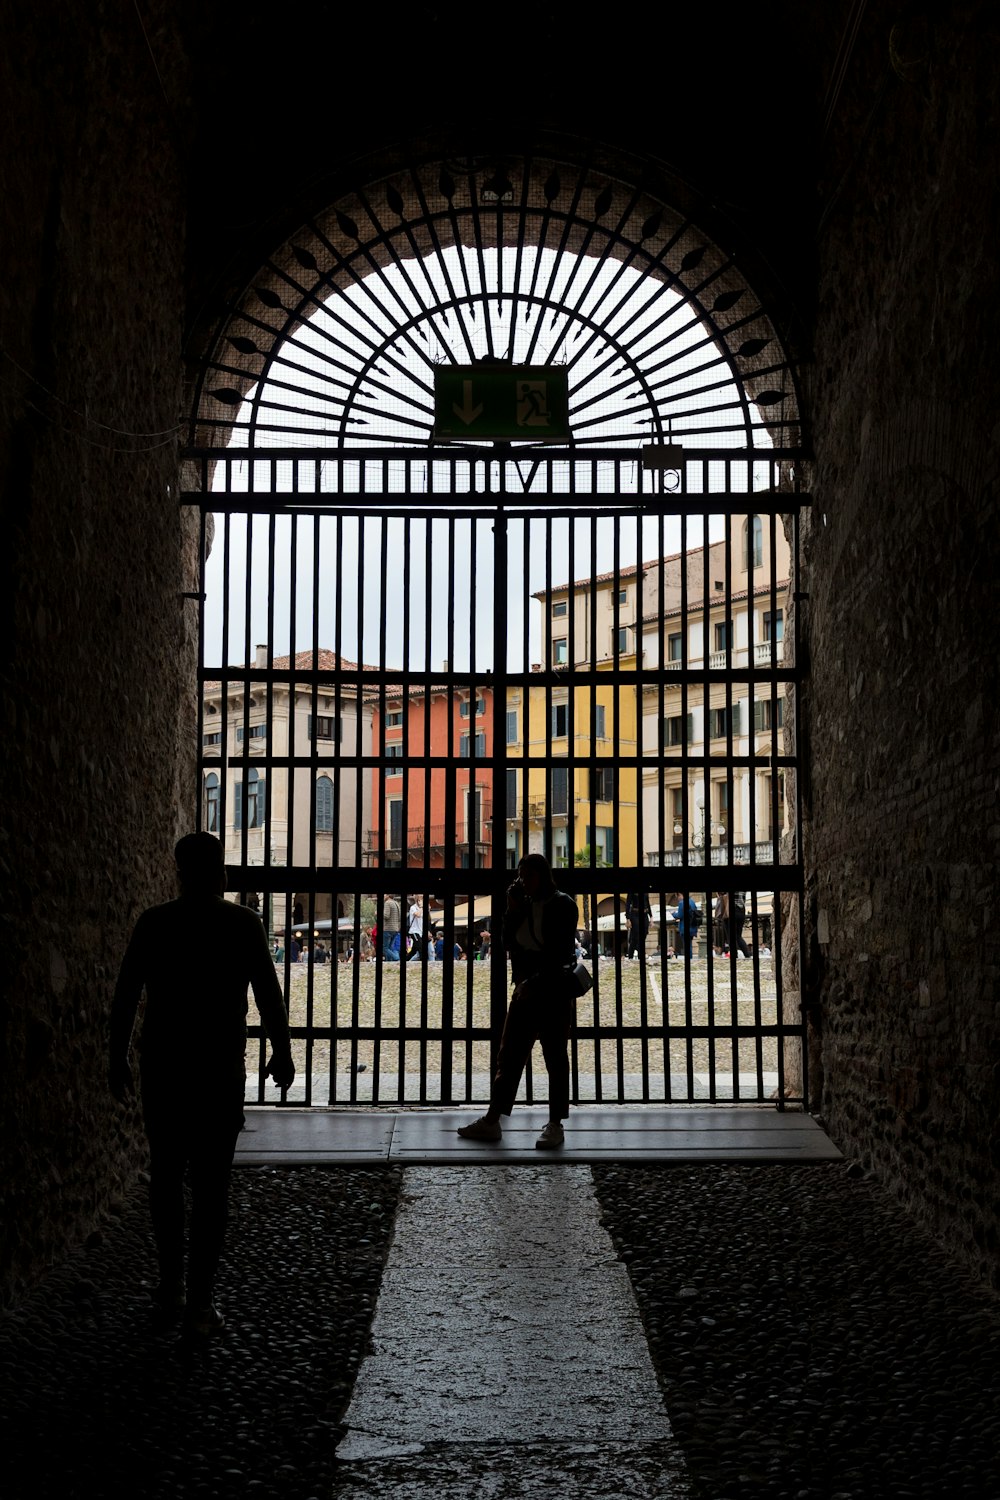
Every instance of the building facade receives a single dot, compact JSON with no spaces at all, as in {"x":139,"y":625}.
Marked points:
{"x":431,"y":798}
{"x":284,"y":791}
{"x":718,"y":724}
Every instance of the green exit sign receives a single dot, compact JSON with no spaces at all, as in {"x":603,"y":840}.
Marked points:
{"x":502,"y":402}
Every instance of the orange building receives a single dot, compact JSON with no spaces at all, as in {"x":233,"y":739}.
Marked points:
{"x":436,"y":808}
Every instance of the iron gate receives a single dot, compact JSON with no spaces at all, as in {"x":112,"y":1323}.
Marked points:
{"x":537,"y":683}
{"x":421,"y":661}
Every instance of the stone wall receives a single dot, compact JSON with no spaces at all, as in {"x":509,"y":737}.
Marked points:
{"x":97,"y":678}
{"x":901,"y":711}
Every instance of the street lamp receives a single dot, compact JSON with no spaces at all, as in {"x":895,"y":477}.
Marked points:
{"x":708,"y":830}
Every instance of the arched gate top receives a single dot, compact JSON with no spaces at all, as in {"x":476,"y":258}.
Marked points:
{"x":335,"y":343}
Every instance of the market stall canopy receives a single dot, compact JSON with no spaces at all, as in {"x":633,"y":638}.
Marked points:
{"x":482,"y":908}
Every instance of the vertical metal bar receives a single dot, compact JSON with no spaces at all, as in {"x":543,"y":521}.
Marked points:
{"x":429,"y":775}
{"x":798,"y":598}
{"x":706,"y":600}
{"x":273,"y":779}
{"x":336,"y":841}
{"x":378,"y":813}
{"x":224,"y":726}
{"x":199,"y":818}
{"x":245,"y":715}
{"x":406,"y":817}
{"x":573,"y":653}
{"x":660,"y":763}
{"x":358,"y":833}
{"x":450,"y":800}
{"x":380,"y":972}
{"x":616,"y":662}
{"x":732,"y":709}
{"x":477,"y":779}
{"x":501,"y":808}
{"x":313,"y":785}
{"x":591,"y":596}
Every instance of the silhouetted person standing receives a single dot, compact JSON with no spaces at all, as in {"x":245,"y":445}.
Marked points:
{"x":195,"y":958}
{"x":539,"y":934}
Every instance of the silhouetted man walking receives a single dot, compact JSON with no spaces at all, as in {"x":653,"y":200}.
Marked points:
{"x":195,"y":958}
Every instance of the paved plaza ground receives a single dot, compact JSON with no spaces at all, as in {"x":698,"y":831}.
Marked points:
{"x":415,"y":1000}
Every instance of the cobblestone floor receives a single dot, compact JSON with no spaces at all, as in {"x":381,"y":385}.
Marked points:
{"x":810,"y":1344}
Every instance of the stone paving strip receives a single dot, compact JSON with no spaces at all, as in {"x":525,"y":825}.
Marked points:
{"x":507,"y":1352}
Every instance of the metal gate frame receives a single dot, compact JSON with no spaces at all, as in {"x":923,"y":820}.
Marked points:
{"x":492,"y":485}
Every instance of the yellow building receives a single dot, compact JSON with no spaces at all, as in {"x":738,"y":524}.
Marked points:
{"x":582,"y":807}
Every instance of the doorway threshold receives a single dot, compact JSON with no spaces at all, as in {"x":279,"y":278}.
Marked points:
{"x":649,"y":1135}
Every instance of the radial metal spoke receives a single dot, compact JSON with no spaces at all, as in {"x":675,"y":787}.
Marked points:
{"x":525,"y":263}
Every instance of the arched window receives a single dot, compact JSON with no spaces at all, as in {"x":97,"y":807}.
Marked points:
{"x":250,"y":795}
{"x":212,"y":803}
{"x":324,"y":805}
{"x":753,"y":544}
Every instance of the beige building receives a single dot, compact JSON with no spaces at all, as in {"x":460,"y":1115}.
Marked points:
{"x":315,"y":815}
{"x":713,"y":609}
{"x":729,"y":616}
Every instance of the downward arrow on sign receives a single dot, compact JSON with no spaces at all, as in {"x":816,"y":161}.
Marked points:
{"x":466,"y":413}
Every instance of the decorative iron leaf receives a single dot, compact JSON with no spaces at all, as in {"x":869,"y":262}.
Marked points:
{"x":725,"y":300}
{"x":602,"y":202}
{"x":446,"y":186}
{"x":347,"y":226}
{"x":227,"y":395}
{"x":652,"y":225}
{"x":500,"y":186}
{"x":305,"y":258}
{"x":245,"y":346}
{"x":552,"y":186}
{"x":693,"y":258}
{"x":769,"y":398}
{"x":269,"y":298}
{"x":394,"y":198}
{"x":751,"y":347}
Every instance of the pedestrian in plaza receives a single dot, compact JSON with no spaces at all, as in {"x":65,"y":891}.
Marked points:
{"x":390,"y":929}
{"x":688,"y":919}
{"x":737,"y":918}
{"x":195,"y":958}
{"x":539,"y":935}
{"x":720,"y":923}
{"x":639,"y":915}
{"x":415,"y":929}
{"x":456,"y":951}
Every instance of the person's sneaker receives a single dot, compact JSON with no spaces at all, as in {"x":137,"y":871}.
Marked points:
{"x":552,"y":1135}
{"x":481,"y":1130}
{"x":203,"y":1322}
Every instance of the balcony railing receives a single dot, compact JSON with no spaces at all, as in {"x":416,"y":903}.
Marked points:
{"x":538,"y":812}
{"x":762,"y":654}
{"x":433,"y":838}
{"x":718,"y":854}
